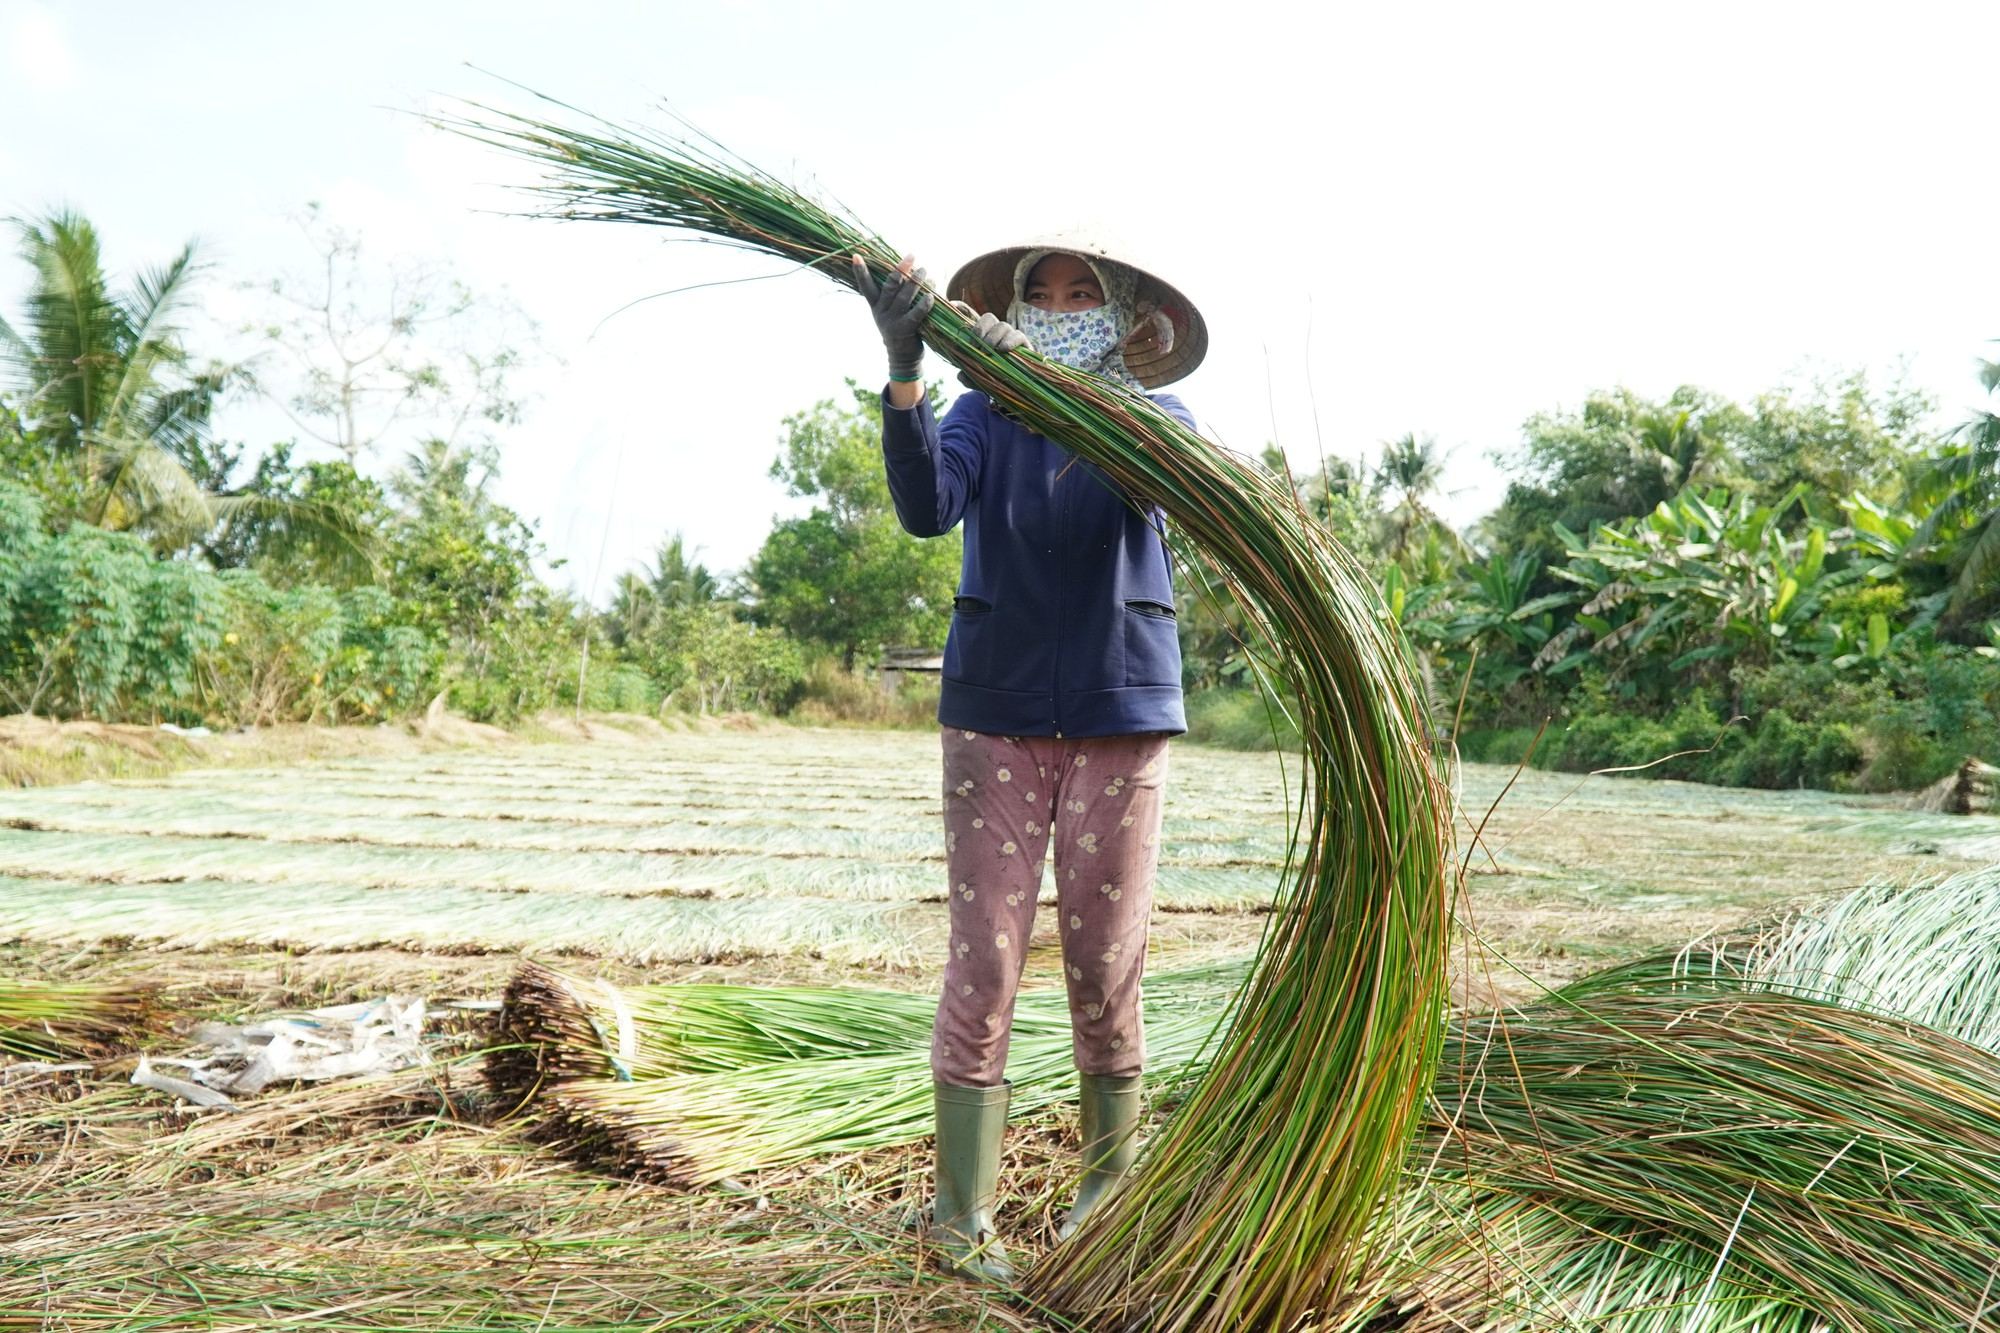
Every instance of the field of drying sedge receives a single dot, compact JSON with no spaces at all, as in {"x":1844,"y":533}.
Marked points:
{"x":761,"y":855}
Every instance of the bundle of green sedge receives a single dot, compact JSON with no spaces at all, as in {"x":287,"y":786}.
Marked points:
{"x":1793,"y":1128}
{"x":45,"y":1021}
{"x":687,"y":1084}
{"x":1255,"y":1202}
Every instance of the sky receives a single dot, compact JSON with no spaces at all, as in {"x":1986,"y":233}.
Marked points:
{"x":1438,"y":218}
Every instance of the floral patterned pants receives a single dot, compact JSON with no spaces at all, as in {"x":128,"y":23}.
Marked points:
{"x":1005,"y":798}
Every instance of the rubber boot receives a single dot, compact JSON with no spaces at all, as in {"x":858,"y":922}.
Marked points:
{"x":970,"y":1124}
{"x":1110,"y":1114}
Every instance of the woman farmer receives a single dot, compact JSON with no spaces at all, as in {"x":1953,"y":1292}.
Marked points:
{"x":1061,"y":686}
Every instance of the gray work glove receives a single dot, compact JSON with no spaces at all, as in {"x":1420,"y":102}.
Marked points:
{"x":900,"y":305}
{"x":992,"y":330}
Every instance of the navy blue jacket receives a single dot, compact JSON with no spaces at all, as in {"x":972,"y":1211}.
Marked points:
{"x":1064,"y":623}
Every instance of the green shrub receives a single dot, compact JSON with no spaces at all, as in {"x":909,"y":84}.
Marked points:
{"x":91,"y":624}
{"x":310,"y":654}
{"x":830,"y":695}
{"x":1500,"y":745}
{"x":620,"y":688}
{"x":706,"y":660}
{"x":1601,"y":740}
{"x":1780,"y":752}
{"x":1801,"y":724}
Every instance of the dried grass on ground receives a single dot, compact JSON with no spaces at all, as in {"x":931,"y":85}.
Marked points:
{"x":400,"y":1205}
{"x":390,"y":1204}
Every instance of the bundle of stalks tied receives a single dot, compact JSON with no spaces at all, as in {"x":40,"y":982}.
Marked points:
{"x":691,"y":1084}
{"x":558,"y":1027}
{"x":1254,"y":1204}
{"x":40,"y":1020}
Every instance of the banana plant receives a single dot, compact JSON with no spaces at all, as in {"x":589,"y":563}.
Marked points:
{"x":1497,"y":613}
{"x":1706,"y":578}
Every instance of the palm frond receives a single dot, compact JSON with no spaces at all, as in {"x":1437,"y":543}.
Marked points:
{"x":142,"y":487}
{"x":1978,"y":564}
{"x":347,"y":545}
{"x":74,"y":331}
{"x":149,"y":310}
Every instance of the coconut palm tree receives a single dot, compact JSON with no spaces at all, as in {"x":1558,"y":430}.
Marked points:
{"x":676,"y":580}
{"x":110,"y":394}
{"x":1410,"y":473}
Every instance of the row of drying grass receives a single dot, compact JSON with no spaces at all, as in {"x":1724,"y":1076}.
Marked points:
{"x":649,"y":858}
{"x":139,"y":859}
{"x":221,"y":914}
{"x":412,"y":824}
{"x":1245,"y":830}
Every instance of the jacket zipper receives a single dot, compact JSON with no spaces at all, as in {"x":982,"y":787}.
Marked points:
{"x":1062,"y":597}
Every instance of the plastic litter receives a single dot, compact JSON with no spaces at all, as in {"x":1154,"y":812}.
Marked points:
{"x":196,"y":732}
{"x":19,"y":1069}
{"x":345,"y":1041}
{"x":144,"y":1077}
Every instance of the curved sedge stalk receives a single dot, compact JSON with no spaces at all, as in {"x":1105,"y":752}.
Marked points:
{"x":1255,"y":1202}
{"x":1838,"y":1161}
{"x":1788,"y":1129}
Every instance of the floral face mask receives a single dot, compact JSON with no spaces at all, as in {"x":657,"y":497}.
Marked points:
{"x":1081,"y":339}
{"x":1086,"y":340}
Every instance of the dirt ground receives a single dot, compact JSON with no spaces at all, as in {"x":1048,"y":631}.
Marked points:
{"x":401,"y":1203}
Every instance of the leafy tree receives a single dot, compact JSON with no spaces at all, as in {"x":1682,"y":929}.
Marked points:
{"x":846,"y":576}
{"x":1836,"y":439}
{"x":1622,"y":456}
{"x":463,"y":565}
{"x":706,"y":657}
{"x":108,"y":389}
{"x":1336,"y":494}
{"x":1619,"y":457}
{"x":273,"y":538}
{"x":678,"y":579}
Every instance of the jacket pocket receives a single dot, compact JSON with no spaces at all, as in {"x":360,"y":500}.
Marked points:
{"x":987,"y":649}
{"x":1152,"y":644}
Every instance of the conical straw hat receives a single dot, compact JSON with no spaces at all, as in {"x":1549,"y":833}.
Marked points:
{"x":986,"y":283}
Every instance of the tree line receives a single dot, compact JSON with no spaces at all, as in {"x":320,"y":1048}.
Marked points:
{"x":151,"y":570}
{"x":1800,"y":590}
{"x":1813,"y":576}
